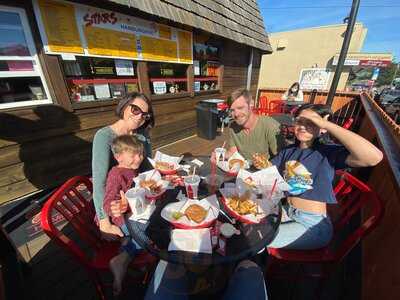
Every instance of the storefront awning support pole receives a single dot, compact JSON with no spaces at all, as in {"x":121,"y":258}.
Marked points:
{"x":345,"y":47}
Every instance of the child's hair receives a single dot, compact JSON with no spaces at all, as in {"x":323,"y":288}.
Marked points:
{"x":126,"y":143}
{"x":320,"y":109}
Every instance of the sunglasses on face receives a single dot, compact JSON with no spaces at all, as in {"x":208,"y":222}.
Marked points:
{"x":136,"y":110}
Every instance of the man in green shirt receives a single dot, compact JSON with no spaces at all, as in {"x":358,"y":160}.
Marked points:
{"x":249,"y":132}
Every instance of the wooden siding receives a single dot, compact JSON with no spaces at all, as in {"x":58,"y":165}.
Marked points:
{"x":42,"y":146}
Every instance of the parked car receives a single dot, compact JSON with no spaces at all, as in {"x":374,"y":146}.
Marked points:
{"x":392,"y":108}
{"x":388,"y":96}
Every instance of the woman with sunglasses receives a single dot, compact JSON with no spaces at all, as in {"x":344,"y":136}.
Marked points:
{"x":135,"y":116}
{"x":309,"y":167}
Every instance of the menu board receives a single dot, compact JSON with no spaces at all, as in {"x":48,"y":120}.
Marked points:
{"x":91,"y":31}
{"x":185,"y":46}
{"x":110,"y":43}
{"x":158,"y":49}
{"x":164,"y":32}
{"x":60,"y":25}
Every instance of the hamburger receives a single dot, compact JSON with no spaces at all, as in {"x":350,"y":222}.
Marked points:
{"x":196,"y":213}
{"x":164,"y":166}
{"x":260,"y":161}
{"x":236,"y":163}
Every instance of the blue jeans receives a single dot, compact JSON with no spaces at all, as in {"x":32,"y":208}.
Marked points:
{"x":169,"y":282}
{"x":304,"y":230}
{"x":130,"y":246}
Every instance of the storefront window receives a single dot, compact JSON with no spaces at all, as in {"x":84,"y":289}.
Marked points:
{"x":21,"y":78}
{"x":206,"y":67}
{"x":93,"y":78}
{"x":166,"y":78}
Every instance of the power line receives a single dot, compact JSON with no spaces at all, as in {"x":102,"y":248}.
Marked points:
{"x":330,"y":6}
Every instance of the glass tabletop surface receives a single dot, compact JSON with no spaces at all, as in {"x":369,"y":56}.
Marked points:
{"x":155,"y":235}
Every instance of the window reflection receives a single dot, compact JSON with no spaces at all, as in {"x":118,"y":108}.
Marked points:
{"x":12,"y":37}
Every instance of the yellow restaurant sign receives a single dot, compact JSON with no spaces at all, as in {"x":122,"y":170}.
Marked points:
{"x":77,"y":29}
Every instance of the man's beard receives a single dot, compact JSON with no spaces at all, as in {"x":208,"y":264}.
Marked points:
{"x":242,"y":120}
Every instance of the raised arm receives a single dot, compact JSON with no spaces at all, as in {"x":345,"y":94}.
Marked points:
{"x":362,"y":152}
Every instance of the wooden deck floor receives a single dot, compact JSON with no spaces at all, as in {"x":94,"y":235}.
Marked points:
{"x":195,"y":145}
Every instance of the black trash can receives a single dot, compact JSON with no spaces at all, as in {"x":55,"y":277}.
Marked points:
{"x":207,"y":117}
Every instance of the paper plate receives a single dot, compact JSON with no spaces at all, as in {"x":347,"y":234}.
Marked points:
{"x":210,"y":204}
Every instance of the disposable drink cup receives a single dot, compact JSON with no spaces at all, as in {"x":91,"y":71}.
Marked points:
{"x":137,"y":201}
{"x":266,"y":190}
{"x":192,"y":186}
{"x":213,"y":181}
{"x":220,"y":154}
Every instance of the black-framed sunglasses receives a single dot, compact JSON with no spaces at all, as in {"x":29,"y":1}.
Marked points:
{"x":136,"y":110}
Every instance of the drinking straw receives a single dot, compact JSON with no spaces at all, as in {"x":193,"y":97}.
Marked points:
{"x":154,"y":172}
{"x":194,"y":172}
{"x":223,"y":145}
{"x":273,"y":189}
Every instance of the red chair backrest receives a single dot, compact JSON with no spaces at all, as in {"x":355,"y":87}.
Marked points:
{"x":73,"y":201}
{"x":347,"y":124}
{"x":352,"y":196}
{"x":263,"y":102}
{"x":222,"y":106}
{"x":275,"y":106}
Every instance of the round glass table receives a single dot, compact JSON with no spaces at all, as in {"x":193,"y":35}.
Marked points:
{"x":155,"y":235}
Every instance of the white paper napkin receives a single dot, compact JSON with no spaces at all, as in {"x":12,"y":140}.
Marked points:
{"x":194,"y":240}
{"x":141,"y":208}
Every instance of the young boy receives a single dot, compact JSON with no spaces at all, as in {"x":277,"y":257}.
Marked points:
{"x":128,"y":152}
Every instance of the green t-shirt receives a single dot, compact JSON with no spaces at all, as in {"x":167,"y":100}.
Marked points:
{"x":262,"y":139}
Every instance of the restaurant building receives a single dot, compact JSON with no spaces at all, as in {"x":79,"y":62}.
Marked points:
{"x":65,"y":64}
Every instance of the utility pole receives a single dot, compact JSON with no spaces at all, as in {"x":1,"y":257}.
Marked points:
{"x":345,"y":47}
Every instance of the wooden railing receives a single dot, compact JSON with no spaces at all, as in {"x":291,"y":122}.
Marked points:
{"x":380,"y":251}
{"x":345,"y":104}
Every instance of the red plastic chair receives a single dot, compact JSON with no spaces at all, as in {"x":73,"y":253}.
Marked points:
{"x":73,"y":201}
{"x":276,"y":107}
{"x":352,"y":196}
{"x":262,"y":108}
{"x":347,"y":124}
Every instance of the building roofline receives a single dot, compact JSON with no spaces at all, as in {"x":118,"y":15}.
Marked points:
{"x":315,"y":27}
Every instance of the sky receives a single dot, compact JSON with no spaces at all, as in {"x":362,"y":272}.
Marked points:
{"x":381,"y":17}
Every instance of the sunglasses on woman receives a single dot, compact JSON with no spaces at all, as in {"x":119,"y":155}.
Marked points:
{"x":136,"y":110}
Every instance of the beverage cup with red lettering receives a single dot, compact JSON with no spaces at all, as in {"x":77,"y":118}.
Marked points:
{"x":220,"y":154}
{"x":192,"y":186}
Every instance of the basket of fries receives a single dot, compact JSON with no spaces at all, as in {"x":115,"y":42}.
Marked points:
{"x":245,"y":207}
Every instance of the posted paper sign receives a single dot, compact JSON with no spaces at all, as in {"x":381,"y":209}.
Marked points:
{"x":102,"y":91}
{"x":160,"y":87}
{"x":124,"y":67}
{"x":196,"y":67}
{"x":197,"y":86}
